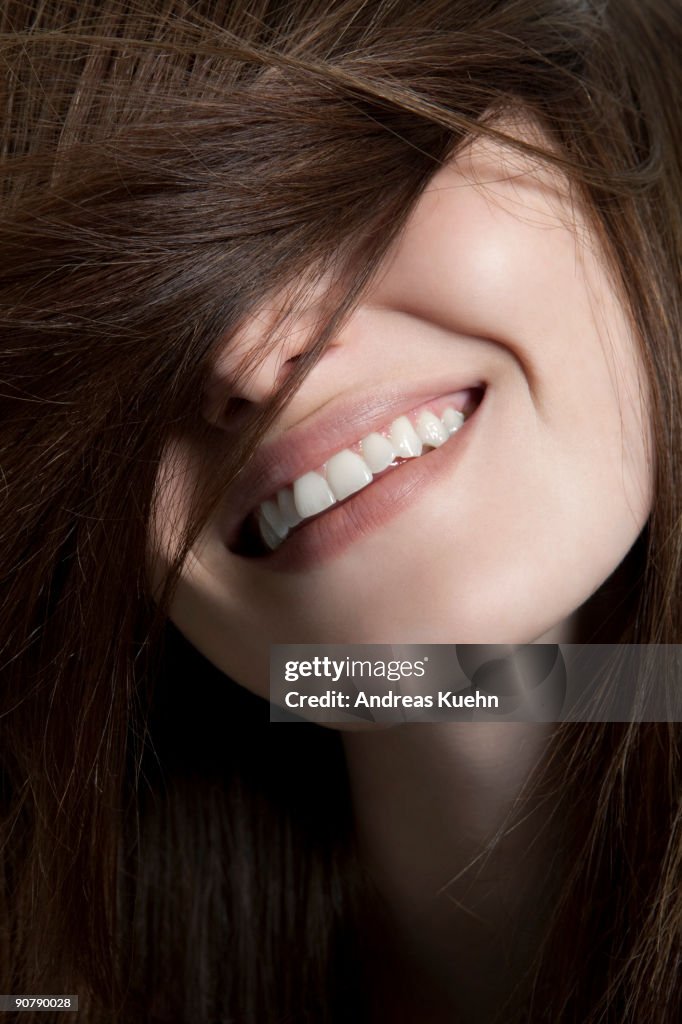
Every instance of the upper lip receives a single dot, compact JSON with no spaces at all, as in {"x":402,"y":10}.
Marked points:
{"x":309,"y":443}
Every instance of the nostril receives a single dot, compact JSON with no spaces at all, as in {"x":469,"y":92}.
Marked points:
{"x":287,"y":366}
{"x":233,"y":413}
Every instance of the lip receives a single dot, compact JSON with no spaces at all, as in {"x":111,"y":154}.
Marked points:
{"x":326,"y":536}
{"x":320,"y":435}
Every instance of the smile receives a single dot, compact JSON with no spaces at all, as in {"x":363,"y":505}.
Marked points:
{"x":352,"y":469}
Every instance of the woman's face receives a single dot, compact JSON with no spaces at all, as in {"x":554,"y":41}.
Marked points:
{"x":496,"y":535}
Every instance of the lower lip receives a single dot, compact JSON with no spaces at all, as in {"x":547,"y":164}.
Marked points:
{"x":327,"y":536}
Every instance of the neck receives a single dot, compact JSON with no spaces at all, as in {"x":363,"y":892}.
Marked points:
{"x":464,"y":857}
{"x":460,"y":855}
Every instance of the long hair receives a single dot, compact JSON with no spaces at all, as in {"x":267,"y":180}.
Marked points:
{"x":163,"y":851}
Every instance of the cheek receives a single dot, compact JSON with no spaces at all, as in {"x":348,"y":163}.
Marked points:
{"x":484,"y":268}
{"x":502,"y":553}
{"x":526,"y":274}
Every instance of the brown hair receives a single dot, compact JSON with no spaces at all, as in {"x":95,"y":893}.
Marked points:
{"x":162,"y":171}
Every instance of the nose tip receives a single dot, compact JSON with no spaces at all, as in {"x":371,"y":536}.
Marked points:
{"x":250,"y":366}
{"x":254,"y":360}
{"x":250,"y":382}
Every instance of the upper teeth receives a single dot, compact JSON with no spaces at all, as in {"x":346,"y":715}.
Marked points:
{"x":348,"y":471}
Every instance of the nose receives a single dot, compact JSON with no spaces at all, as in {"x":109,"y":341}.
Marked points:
{"x":252,"y":363}
{"x":255,"y":360}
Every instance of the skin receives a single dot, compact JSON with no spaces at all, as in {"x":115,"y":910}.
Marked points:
{"x":498,"y":271}
{"x":457,"y":870}
{"x":498,"y":276}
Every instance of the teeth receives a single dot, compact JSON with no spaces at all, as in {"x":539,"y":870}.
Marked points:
{"x":405,"y":438}
{"x":272,"y":517}
{"x":377,"y":451}
{"x":347,"y":473}
{"x":312,"y":495}
{"x":287,"y":508}
{"x":453,"y":420}
{"x":431,"y":430}
{"x":268,"y":534}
